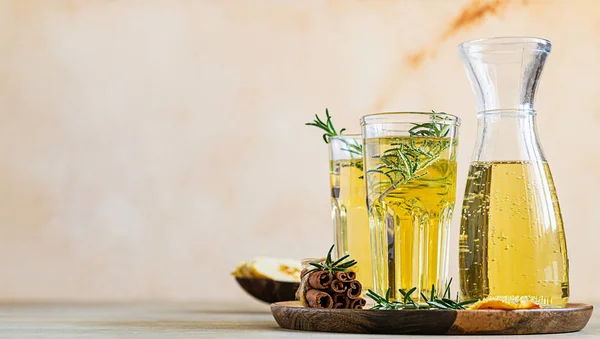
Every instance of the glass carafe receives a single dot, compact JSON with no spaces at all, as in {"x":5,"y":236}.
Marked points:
{"x":512,"y":242}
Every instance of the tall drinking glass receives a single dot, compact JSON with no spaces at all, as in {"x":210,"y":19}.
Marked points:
{"x":410,"y":172}
{"x":348,"y":207}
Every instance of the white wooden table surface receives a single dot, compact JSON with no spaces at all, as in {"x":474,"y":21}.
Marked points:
{"x":170,"y":320}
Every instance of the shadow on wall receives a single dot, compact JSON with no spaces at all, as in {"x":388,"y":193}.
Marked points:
{"x":471,"y":15}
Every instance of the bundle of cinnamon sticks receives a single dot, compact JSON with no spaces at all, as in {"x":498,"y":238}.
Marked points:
{"x":323,"y":289}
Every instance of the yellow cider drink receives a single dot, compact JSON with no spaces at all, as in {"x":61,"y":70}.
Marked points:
{"x":512,"y":241}
{"x":348,"y":204}
{"x":411,"y":184}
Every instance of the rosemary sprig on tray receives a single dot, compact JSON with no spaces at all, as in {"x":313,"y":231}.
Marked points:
{"x":384,"y":303}
{"x":445,"y":302}
{"x":408,"y":303}
{"x":332,"y":266}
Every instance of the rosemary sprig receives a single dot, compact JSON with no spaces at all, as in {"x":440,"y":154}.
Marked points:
{"x":383,"y":303}
{"x":326,"y":126}
{"x":352,"y":147}
{"x":445,"y":302}
{"x":408,"y":303}
{"x":407,"y":159}
{"x":340,"y":265}
{"x":431,"y":129}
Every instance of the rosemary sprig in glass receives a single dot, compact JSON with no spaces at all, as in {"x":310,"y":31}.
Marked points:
{"x":352,"y":147}
{"x":407,"y":160}
{"x":431,"y":129}
{"x":326,"y":126}
{"x":339,"y":265}
{"x":408,"y":303}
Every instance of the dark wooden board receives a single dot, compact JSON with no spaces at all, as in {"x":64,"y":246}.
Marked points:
{"x":292,"y":315}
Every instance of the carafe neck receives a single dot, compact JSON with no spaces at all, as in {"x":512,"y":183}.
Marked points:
{"x":507,"y":136}
{"x":504,"y":72}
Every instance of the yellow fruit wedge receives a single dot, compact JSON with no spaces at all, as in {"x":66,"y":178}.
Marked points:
{"x":504,"y":304}
{"x":277,"y":269}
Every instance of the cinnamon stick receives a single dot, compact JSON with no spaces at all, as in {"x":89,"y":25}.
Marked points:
{"x":354,"y":289}
{"x":338,"y":286}
{"x":343,"y":276}
{"x":318,"y":299}
{"x":358,"y":304}
{"x":351,"y":275}
{"x":341,"y":301}
{"x":320,"y":279}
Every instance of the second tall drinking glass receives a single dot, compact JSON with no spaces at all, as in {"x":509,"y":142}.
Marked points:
{"x":410,"y":172}
{"x":348,"y":207}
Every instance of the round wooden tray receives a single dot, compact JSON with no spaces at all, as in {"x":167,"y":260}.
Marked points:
{"x":292,"y":315}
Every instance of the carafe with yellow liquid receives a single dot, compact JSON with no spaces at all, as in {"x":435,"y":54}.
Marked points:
{"x":512,"y":242}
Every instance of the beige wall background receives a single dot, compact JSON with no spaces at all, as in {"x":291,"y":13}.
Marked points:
{"x":147,"y":146}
